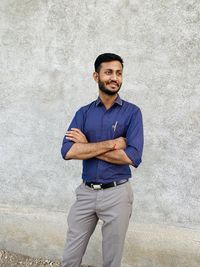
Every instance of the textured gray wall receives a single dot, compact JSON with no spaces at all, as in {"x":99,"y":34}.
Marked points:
{"x":47,"y":50}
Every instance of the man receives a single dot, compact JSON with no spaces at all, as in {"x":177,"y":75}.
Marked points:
{"x":107,"y":135}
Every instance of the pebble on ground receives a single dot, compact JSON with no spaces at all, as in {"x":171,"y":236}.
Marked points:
{"x":10,"y":259}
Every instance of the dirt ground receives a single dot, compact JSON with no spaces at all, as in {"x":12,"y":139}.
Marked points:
{"x":10,"y":259}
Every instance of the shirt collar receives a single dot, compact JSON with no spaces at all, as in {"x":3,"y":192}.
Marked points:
{"x":118,"y":101}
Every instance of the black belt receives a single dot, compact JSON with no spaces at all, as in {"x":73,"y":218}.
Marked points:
{"x":98,"y":186}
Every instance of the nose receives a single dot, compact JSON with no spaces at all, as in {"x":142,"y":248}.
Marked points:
{"x":114,"y":77}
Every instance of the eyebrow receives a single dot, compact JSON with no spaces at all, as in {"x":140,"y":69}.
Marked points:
{"x":112,"y":70}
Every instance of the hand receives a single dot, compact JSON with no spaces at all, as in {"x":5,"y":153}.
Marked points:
{"x":119,"y":143}
{"x":76,"y":136}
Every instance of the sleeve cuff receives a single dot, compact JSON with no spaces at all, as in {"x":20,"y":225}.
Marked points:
{"x":65,"y":148}
{"x":133,"y":156}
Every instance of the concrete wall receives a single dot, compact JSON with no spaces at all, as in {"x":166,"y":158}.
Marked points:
{"x":47,"y":50}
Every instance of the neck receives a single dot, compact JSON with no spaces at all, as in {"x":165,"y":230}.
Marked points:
{"x":107,"y":100}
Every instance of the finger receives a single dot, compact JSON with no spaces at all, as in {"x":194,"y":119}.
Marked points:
{"x":77,"y":130}
{"x":71,"y":131}
{"x":72,"y":139}
{"x":73,"y":134}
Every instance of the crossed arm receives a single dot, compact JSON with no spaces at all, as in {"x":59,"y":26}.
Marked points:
{"x":111,"y":150}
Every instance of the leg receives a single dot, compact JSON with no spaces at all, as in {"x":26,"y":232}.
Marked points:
{"x":82,"y":221}
{"x":116,"y":215}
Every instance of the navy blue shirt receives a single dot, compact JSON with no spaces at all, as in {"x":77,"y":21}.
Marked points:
{"x":98,"y":124}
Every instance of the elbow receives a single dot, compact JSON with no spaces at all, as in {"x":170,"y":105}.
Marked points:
{"x":126,"y":159}
{"x":133,"y":156}
{"x":69,"y":155}
{"x":129,"y":162}
{"x":66,"y":157}
{"x":66,"y":151}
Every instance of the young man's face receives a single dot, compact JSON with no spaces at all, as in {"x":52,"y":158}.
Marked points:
{"x":109,"y":77}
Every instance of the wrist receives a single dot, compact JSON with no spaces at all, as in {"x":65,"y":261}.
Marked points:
{"x":112,"y":144}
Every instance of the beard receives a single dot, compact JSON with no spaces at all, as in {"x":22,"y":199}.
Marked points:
{"x":107,"y":91}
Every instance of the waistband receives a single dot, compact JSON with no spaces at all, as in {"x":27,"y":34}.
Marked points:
{"x":97,"y":186}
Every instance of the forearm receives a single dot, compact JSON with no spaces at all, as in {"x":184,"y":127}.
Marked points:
{"x":115,"y":157}
{"x":89,"y":150}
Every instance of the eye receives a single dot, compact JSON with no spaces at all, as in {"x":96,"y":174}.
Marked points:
{"x":107,"y":72}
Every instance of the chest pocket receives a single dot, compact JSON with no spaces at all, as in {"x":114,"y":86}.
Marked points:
{"x":119,"y":130}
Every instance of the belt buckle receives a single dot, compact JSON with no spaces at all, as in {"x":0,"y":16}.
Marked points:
{"x":96,"y":186}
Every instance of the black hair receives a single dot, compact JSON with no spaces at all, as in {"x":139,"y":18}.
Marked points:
{"x":106,"y":57}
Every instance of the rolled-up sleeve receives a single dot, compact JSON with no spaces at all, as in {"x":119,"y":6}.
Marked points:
{"x":135,"y":139}
{"x":77,"y":122}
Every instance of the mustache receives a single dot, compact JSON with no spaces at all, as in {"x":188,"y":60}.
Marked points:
{"x":113,"y":82}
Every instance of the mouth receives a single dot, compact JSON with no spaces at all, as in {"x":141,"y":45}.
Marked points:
{"x":113,"y":85}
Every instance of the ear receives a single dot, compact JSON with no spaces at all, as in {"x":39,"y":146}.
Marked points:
{"x":96,"y":76}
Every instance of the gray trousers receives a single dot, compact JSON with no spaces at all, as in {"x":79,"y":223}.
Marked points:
{"x":113,"y":206}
